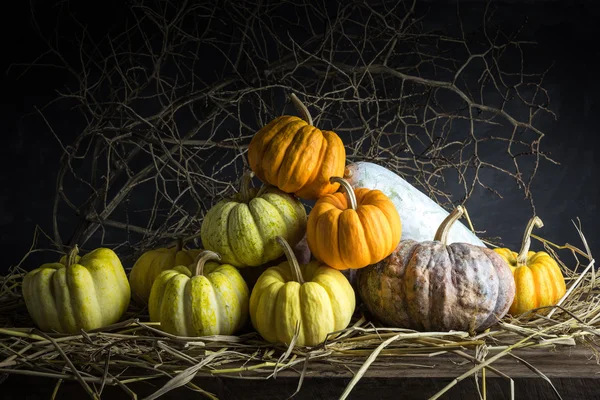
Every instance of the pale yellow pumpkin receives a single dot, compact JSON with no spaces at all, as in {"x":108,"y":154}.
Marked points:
{"x":211,"y":301}
{"x":150,"y":264}
{"x":315,"y":297}
{"x":77,"y":293}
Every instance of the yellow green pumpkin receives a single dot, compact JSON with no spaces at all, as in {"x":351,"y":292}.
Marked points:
{"x":315,"y":297}
{"x":211,"y":300}
{"x":150,"y":264}
{"x":77,"y":293}
{"x":538,"y":278}
{"x":243,"y":229}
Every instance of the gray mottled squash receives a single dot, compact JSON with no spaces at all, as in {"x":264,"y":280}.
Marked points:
{"x":432,"y":286}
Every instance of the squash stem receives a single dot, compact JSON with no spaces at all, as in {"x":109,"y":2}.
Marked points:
{"x":72,"y":256}
{"x":292,"y":260}
{"x":245,"y":186}
{"x":441,"y":235}
{"x":179,"y":245}
{"x":348,"y":189}
{"x":203,"y":258}
{"x":534,"y":222}
{"x":302,"y":109}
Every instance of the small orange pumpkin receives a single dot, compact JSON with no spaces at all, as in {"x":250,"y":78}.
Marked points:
{"x":297,"y":157}
{"x":539,"y":281}
{"x":353,"y":231}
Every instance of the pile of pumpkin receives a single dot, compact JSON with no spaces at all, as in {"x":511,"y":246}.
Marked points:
{"x":423,"y":284}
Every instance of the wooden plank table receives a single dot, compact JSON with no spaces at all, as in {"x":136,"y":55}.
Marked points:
{"x":574,"y":372}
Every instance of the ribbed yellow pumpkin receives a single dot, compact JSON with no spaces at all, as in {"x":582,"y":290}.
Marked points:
{"x":77,"y":293}
{"x":316,"y":297}
{"x":538,"y":279}
{"x":212,"y":301}
{"x":243,"y":229}
{"x":150,"y":264}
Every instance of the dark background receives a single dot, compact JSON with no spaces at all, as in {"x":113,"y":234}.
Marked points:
{"x":568,"y":39}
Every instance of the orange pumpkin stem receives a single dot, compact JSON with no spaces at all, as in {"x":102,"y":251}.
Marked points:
{"x":302,"y":109}
{"x":245,"y":186}
{"x":292,"y":260}
{"x":179,"y":245}
{"x":348,"y":189}
{"x":72,"y":256}
{"x":203,"y":258}
{"x":441,"y":235}
{"x":534,"y":222}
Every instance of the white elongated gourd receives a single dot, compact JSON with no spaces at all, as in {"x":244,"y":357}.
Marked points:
{"x":420,"y":215}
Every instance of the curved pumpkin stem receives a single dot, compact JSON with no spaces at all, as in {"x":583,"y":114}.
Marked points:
{"x":302,"y":109}
{"x":245,"y":186}
{"x":534,"y":222}
{"x":348,"y":189}
{"x":72,"y":256}
{"x":179,"y":245}
{"x":292,"y":260}
{"x":203,"y":258}
{"x":441,"y":235}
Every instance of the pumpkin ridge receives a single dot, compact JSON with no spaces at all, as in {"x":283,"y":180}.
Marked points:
{"x":350,"y":236}
{"x":315,"y":294}
{"x":261,"y":141}
{"x":188,"y":301}
{"x":500,"y":269}
{"x":93,"y":292}
{"x":374,"y":221}
{"x":324,"y":241}
{"x":299,"y":158}
{"x":276,"y":149}
{"x":64,"y":299}
{"x":258,"y":208}
{"x":295,"y":217}
{"x":157,"y":265}
{"x":237,"y":226}
{"x":317,"y":170}
{"x":332,"y":163}
{"x":219,"y":298}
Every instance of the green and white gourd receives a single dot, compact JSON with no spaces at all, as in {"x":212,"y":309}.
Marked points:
{"x":420,"y":215}
{"x":243,"y":229}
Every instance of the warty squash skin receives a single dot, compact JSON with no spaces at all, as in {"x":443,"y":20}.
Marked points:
{"x":212,"y":301}
{"x":150,"y":264}
{"x":313,"y":297}
{"x":77,"y":293}
{"x":538,"y":278}
{"x":243,"y":229}
{"x":431,"y":286}
{"x":353,"y":230}
{"x":297,"y":157}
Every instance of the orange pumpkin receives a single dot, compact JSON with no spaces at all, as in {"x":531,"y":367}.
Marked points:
{"x":353,"y":231}
{"x":538,"y":278}
{"x":297,"y":157}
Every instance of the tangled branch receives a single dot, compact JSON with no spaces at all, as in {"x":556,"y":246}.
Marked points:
{"x":169,"y":105}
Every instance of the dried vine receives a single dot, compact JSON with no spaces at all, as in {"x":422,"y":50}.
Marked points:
{"x":170,"y":104}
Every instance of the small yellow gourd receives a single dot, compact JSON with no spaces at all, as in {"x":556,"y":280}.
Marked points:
{"x":316,"y":297}
{"x":150,"y":264}
{"x":211,"y":301}
{"x":538,"y":279}
{"x":77,"y":293}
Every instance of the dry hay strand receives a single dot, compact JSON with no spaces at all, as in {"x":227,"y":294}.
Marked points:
{"x":136,"y":350}
{"x":394,"y":88}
